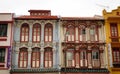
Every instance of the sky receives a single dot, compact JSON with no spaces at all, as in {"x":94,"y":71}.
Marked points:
{"x":70,"y":8}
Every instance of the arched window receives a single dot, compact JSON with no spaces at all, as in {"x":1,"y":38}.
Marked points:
{"x":48,"y":58}
{"x":95,"y":57}
{"x":48,"y":33}
{"x":23,"y":58}
{"x":70,"y":58}
{"x":36,"y":32}
{"x":70,"y":33}
{"x":35,"y":59}
{"x":83,"y":58}
{"x":24,"y":33}
{"x":82,"y":33}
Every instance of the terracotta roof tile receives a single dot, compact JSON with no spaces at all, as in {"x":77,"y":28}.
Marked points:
{"x":37,"y":17}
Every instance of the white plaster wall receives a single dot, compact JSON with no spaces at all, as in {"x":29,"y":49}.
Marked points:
{"x":7,"y":43}
{"x":6,"y":17}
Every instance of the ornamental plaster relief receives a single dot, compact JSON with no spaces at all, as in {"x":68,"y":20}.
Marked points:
{"x":36,"y":45}
{"x":50,"y":21}
{"x":48,"y":44}
{"x":17,"y":43}
{"x":23,"y":45}
{"x":37,"y":21}
{"x":18,"y":23}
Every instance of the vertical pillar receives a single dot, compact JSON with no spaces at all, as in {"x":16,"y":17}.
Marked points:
{"x":42,"y":57}
{"x":29,"y":57}
{"x":16,"y":56}
{"x":54,"y":56}
{"x":101,"y":60}
{"x":42,"y":31}
{"x":54,"y":33}
{"x":87,"y":34}
{"x":89,"y":58}
{"x":76,"y":34}
{"x":30,"y":32}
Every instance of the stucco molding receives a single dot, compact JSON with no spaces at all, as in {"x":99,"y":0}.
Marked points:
{"x":36,"y":45}
{"x":48,"y":44}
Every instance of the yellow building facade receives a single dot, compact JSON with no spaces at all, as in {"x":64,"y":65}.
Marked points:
{"x":112,"y":29}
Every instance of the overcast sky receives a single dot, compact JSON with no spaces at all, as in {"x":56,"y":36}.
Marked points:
{"x":59,"y":7}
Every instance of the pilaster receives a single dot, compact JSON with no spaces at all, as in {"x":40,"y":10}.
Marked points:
{"x":29,"y":57}
{"x":89,"y":58}
{"x":42,"y":57}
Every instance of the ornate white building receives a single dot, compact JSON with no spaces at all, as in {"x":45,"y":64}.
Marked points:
{"x":36,"y":43}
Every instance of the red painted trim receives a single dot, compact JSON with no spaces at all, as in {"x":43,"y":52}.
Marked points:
{"x":6,"y":22}
{"x":3,"y":38}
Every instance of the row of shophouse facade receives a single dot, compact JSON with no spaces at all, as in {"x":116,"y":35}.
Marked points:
{"x":41,"y":43}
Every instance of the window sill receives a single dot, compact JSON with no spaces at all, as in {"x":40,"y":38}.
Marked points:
{"x":2,"y":68}
{"x":3,"y":38}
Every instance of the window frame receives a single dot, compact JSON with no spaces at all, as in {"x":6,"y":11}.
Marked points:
{"x":94,"y":60}
{"x":82,"y":37}
{"x":93,"y":37}
{"x":25,"y":26}
{"x":69,"y":30}
{"x":23,"y":51}
{"x":73,"y":61}
{"x":113,"y":25}
{"x":36,"y":26}
{"x":37,"y":59}
{"x":6,"y":28}
{"x":47,"y":38}
{"x":85,"y":59}
{"x":116,"y":57}
{"x":49,"y":54}
{"x":3,"y":51}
